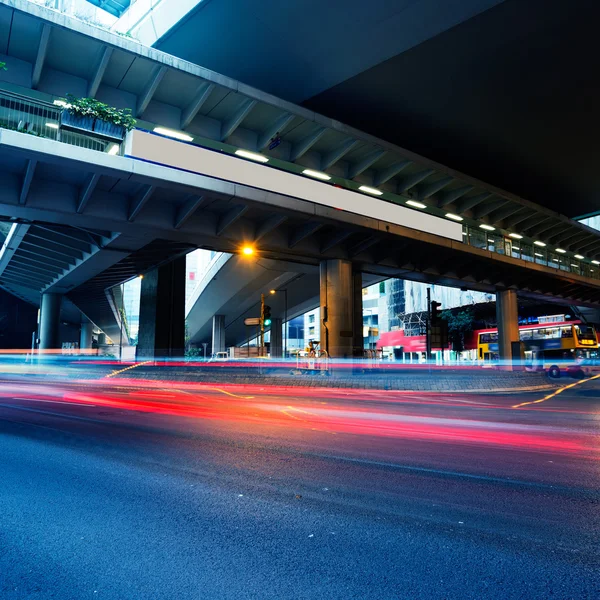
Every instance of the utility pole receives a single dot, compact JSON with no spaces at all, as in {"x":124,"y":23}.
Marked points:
{"x":428,"y":326}
{"x":262,"y":324}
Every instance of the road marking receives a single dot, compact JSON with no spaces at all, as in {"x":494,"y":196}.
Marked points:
{"x":56,"y":401}
{"x":127,"y":369}
{"x":558,"y":391}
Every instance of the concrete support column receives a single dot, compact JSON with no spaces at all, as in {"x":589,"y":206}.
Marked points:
{"x":162,"y":312}
{"x":50,"y":321}
{"x":507,"y":317}
{"x":276,"y":338}
{"x":341,"y":309}
{"x":218,"y":334}
{"x":85,"y":336}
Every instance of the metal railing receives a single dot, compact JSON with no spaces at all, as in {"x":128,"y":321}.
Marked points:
{"x":496,"y":242}
{"x":42,"y":119}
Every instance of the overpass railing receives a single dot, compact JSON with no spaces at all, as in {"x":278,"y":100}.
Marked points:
{"x":42,"y":119}
{"x":496,"y":242}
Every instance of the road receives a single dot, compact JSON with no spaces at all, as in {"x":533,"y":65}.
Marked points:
{"x":125,"y":490}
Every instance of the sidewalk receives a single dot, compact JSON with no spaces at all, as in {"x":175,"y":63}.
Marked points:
{"x":440,"y":381}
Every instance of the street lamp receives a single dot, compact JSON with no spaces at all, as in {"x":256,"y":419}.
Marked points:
{"x":248,"y":250}
{"x":285,"y":323}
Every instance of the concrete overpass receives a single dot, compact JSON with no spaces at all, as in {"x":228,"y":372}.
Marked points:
{"x":381,"y":208}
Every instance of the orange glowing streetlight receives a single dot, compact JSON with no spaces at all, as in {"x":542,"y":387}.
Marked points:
{"x":248,"y":250}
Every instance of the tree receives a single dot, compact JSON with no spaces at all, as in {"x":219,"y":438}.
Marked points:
{"x":459,"y":324}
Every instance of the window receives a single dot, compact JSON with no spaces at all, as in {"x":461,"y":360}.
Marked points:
{"x":311,"y":331}
{"x":311,"y":319}
{"x":382,"y":287}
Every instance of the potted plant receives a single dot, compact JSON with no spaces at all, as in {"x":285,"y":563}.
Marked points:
{"x":89,"y":114}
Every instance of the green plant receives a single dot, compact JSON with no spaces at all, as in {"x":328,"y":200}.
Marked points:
{"x":459,"y":324}
{"x":3,"y":66}
{"x":21,"y":130}
{"x":90,"y":107}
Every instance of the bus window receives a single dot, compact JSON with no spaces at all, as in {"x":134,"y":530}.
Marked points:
{"x":567,"y":332}
{"x":525,"y":334}
{"x":585,"y":332}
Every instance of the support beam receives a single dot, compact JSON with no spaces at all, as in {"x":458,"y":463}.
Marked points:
{"x":99,"y":73}
{"x":483,"y":211}
{"x":498,"y":216}
{"x":85,"y":337}
{"x":300,"y":148}
{"x":384,"y":176}
{"x":301,"y":233}
{"x":453,"y":195}
{"x":188,"y":209}
{"x":334,"y":240}
{"x":277,"y":126}
{"x":341,"y":309}
{"x":139,"y":201}
{"x":148,"y":92}
{"x":430,"y":189}
{"x":338,"y":153}
{"x":162,"y":312}
{"x":518,"y":219}
{"x":194,"y":107}
{"x":87,"y":190}
{"x":27,"y":179}
{"x":360,"y":167}
{"x":363,"y":245}
{"x":38,"y":65}
{"x":229,"y":127}
{"x":507,"y":317}
{"x":472,"y":202}
{"x":218,"y":334}
{"x":268,"y":225}
{"x":50,"y":321}
{"x":230,"y":217}
{"x":408,"y":182}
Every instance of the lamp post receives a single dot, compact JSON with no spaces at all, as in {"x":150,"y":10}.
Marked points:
{"x":285,"y":325}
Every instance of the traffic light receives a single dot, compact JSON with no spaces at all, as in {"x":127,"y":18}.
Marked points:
{"x":266,"y":315}
{"x":435,"y":311}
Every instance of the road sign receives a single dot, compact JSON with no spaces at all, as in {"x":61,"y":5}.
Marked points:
{"x":274,"y":142}
{"x":252,"y":321}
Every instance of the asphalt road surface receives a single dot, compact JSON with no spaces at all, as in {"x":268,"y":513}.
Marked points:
{"x":118,"y":491}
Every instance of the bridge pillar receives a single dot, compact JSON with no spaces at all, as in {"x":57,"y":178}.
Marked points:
{"x":341,"y":309}
{"x":162,"y":312}
{"x":218,"y":334}
{"x":507,"y":317}
{"x":276,"y":338}
{"x":85,"y":336}
{"x":50,"y":321}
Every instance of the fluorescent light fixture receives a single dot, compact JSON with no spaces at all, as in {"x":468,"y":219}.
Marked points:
{"x":574,"y":265}
{"x":454,"y":217}
{"x":370,"y":190}
{"x":555,"y":259}
{"x":416,"y":204}
{"x":516,"y":248}
{"x":538,"y":254}
{"x":316,"y":174}
{"x":487,"y":227}
{"x":560,"y":250}
{"x":538,"y":243}
{"x":60,"y":103}
{"x":517,"y":236}
{"x":52,"y":125}
{"x":596,"y":262}
{"x":114,"y":149}
{"x":579,"y":257}
{"x":178,"y":135}
{"x":252,"y":156}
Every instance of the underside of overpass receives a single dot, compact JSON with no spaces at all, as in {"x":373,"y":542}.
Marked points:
{"x":124,"y":215}
{"x":495,"y":88}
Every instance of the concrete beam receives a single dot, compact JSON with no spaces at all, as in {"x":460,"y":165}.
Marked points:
{"x":229,"y":127}
{"x":99,"y":72}
{"x":148,"y":92}
{"x":40,"y":58}
{"x":194,"y":107}
{"x":277,"y":126}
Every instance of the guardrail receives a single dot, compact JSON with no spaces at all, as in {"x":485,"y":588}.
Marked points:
{"x":42,"y":119}
{"x":496,"y":242}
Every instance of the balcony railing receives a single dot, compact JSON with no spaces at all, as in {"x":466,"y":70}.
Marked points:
{"x":42,"y":119}
{"x":496,"y":242}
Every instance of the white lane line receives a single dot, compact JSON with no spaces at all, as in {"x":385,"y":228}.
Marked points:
{"x":55,"y":401}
